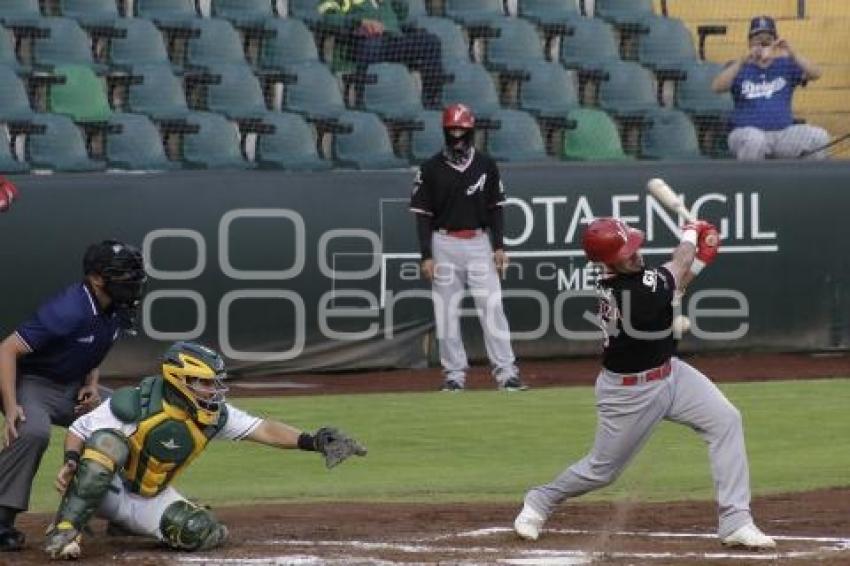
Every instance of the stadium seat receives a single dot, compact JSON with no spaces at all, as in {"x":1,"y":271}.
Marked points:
{"x":242,"y":12}
{"x":473,"y":86}
{"x":61,"y":147}
{"x":216,"y":145}
{"x":65,"y":44}
{"x":549,"y":91}
{"x":137,"y":146}
{"x":624,"y":12}
{"x":90,"y":12}
{"x":307,"y":10}
{"x":516,"y":45}
{"x":160,"y":94}
{"x":628,"y":90}
{"x":14,"y":102}
{"x":166,"y":11}
{"x":595,"y":137}
{"x":667,"y":45}
{"x":394,"y":94}
{"x":291,"y":44}
{"x":694,"y":94}
{"x":142,"y":45}
{"x":517,"y":138}
{"x":549,"y":11}
{"x":218,"y":42}
{"x":8,"y":163}
{"x":412,"y":10}
{"x":472,"y":12}
{"x":19,"y":11}
{"x":238,"y":95}
{"x":291,"y":146}
{"x":82,"y":96}
{"x":315,"y":92}
{"x":592,"y":43}
{"x":454,"y":46}
{"x":7,"y":50}
{"x":426,"y":142}
{"x":367,"y":145}
{"x":669,"y":134}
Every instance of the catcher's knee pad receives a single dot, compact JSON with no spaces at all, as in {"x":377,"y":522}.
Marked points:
{"x":186,"y":526}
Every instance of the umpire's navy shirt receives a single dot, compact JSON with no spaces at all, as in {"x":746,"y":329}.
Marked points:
{"x":68,"y":336}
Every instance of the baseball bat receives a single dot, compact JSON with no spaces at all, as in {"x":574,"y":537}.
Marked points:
{"x":671,"y":201}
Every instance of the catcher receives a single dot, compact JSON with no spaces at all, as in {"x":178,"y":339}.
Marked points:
{"x":121,"y":458}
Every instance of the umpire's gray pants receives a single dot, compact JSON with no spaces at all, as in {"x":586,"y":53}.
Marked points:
{"x":459,"y":263}
{"x":752,"y":144}
{"x":44,"y":403}
{"x":627,"y":415}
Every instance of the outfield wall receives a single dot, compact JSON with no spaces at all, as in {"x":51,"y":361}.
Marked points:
{"x":288,"y":272}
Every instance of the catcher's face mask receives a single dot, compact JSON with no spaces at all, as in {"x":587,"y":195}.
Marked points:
{"x":458,"y":143}
{"x":197,"y":373}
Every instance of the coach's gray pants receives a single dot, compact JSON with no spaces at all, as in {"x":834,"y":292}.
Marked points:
{"x":751,"y":144}
{"x":44,"y":402}
{"x":627,"y":415}
{"x":459,"y":263}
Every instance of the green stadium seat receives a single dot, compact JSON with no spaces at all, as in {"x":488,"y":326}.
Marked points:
{"x":624,"y":12}
{"x":315,"y":92}
{"x":137,"y":146}
{"x":592,"y":43}
{"x":8,"y":163}
{"x":82,"y":96}
{"x":307,"y":10}
{"x":454,"y":46}
{"x":14,"y":102}
{"x":694,"y":94}
{"x":160,"y":93}
{"x":394,"y":94}
{"x":90,"y":12}
{"x":218,"y":42}
{"x":518,"y":138}
{"x":470,"y":12}
{"x":412,"y":10}
{"x":238,"y":95}
{"x":142,"y":45}
{"x":667,"y":45}
{"x":166,"y":11}
{"x":216,"y":145}
{"x":669,"y":134}
{"x":19,"y":11}
{"x":292,"y":44}
{"x":243,"y":12}
{"x":516,"y":44}
{"x":426,"y":142}
{"x":595,"y":137}
{"x":628,"y":90}
{"x":473,"y":86}
{"x":65,"y":44}
{"x":8,"y":58}
{"x":549,"y":91}
{"x":61,"y":147}
{"x":549,"y":11}
{"x":367,"y":145}
{"x":292,"y":146}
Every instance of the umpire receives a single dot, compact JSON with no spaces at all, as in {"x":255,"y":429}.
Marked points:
{"x":457,"y":197}
{"x":49,"y":367}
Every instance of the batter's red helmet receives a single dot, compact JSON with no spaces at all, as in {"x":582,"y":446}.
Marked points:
{"x":609,"y":240}
{"x":458,"y":116}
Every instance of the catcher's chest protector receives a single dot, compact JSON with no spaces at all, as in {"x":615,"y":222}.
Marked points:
{"x":166,"y":440}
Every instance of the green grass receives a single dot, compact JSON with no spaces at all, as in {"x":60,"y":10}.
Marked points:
{"x":492,"y":446}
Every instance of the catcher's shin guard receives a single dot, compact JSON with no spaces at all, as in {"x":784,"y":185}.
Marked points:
{"x":186,"y":526}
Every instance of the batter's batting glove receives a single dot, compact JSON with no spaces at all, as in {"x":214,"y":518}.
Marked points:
{"x":708,"y":245}
{"x":334,"y":445}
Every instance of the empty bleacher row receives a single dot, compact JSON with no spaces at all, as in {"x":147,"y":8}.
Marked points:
{"x":161,"y":84}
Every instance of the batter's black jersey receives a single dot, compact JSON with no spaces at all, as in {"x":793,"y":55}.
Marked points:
{"x":457,"y":198}
{"x":630,"y":307}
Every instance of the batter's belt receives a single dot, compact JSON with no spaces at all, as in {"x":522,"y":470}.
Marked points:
{"x":462,"y":234}
{"x":654,"y":374}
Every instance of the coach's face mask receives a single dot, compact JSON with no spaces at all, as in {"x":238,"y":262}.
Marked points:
{"x":458,"y":144}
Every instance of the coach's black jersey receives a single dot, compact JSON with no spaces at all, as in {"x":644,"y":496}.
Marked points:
{"x":457,"y":198}
{"x":631,"y":305}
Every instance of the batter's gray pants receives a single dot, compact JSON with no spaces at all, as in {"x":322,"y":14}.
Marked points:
{"x":459,"y":263}
{"x":751,"y":144}
{"x":44,"y":403}
{"x":627,"y":415}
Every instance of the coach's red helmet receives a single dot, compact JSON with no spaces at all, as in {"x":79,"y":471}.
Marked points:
{"x":610,"y":240}
{"x":458,"y":116}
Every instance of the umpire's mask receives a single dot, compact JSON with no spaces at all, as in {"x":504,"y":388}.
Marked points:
{"x":123,"y":272}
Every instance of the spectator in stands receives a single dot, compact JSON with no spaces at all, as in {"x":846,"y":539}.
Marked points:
{"x":376,"y":36}
{"x":8,"y":194}
{"x":762,"y":84}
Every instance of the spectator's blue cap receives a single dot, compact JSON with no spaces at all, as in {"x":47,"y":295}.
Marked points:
{"x":762,"y":24}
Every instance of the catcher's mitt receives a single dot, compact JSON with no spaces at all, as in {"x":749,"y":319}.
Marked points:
{"x":336,"y":446}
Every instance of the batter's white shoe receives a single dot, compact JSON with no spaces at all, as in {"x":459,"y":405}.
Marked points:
{"x":529,"y":523}
{"x":749,"y":536}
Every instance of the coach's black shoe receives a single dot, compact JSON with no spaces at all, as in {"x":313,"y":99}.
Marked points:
{"x":451,"y":385}
{"x":11,"y":539}
{"x":513,"y":384}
